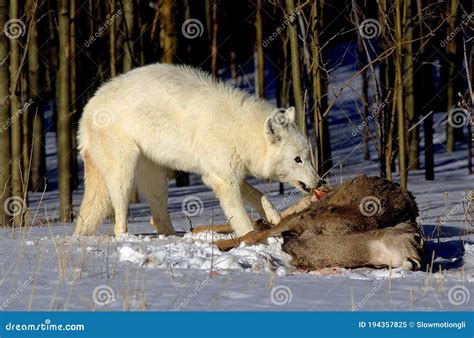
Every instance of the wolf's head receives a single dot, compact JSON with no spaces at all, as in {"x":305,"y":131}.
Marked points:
{"x":288,"y":158}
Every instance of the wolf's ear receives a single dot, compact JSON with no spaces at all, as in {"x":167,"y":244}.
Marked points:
{"x":290,"y":114}
{"x":277,"y":124}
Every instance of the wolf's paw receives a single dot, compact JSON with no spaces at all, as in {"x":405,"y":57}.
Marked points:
{"x":398,"y":247}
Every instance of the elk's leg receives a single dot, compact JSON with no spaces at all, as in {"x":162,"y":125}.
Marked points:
{"x":220,"y":228}
{"x":253,"y":237}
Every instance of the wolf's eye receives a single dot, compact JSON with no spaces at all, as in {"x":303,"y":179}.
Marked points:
{"x":298,"y":159}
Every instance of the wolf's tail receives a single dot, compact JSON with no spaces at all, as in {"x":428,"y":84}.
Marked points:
{"x":96,"y":202}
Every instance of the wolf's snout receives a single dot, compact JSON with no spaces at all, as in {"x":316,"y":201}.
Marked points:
{"x":320,"y":182}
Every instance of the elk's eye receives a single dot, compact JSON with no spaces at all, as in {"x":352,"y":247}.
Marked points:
{"x":298,"y":159}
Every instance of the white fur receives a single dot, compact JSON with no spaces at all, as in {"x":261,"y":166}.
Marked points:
{"x":154,"y":119}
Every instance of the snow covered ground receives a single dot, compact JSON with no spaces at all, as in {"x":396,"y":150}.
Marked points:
{"x":43,"y":267}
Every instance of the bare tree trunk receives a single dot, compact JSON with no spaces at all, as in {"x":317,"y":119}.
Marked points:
{"x":25,"y":131}
{"x":362,"y":60}
{"x":128,"y":43}
{"x":38,"y":168}
{"x":168,"y":32}
{"x":73,"y":106}
{"x":5,"y":156}
{"x":318,"y":101}
{"x":63,"y":119}
{"x":409,"y":68}
{"x":15,"y":113}
{"x":215,"y":28}
{"x":295,"y":68}
{"x":283,"y":80}
{"x":169,"y":43}
{"x":399,"y":92}
{"x":260,"y":71}
{"x":470,"y":135}
{"x":451,"y":72}
{"x":424,"y":85}
{"x":385,"y":106}
{"x":112,"y":32}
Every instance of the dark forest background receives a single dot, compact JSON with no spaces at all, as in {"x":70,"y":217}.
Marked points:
{"x":414,"y":58}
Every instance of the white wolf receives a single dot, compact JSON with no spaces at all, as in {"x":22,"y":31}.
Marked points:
{"x":140,"y":126}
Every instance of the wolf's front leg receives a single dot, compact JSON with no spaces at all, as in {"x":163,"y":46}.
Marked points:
{"x":232,"y":203}
{"x":260,"y":203}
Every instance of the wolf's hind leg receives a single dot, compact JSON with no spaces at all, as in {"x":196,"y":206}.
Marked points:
{"x":259,"y":202}
{"x":120,"y":179}
{"x":152,"y":183}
